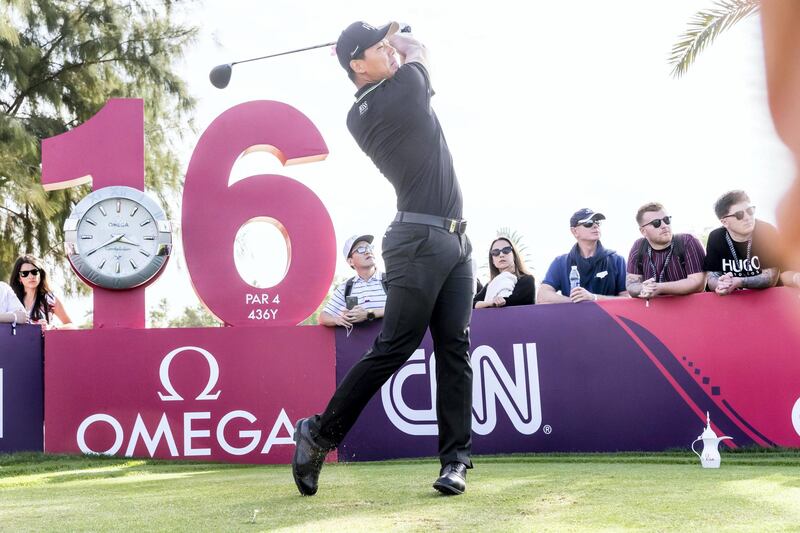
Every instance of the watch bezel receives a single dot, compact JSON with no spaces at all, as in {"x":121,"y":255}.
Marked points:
{"x":141,"y":276}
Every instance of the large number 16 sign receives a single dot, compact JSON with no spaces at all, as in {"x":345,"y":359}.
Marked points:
{"x":109,"y":150}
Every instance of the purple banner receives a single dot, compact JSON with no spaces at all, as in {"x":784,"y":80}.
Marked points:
{"x":21,"y":389}
{"x":596,"y":378}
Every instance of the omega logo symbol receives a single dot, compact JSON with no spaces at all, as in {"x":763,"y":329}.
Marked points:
{"x":213,"y":376}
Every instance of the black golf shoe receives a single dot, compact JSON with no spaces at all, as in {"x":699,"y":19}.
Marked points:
{"x":307,"y":460}
{"x":452,"y":479}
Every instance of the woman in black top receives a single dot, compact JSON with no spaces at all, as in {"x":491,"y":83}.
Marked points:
{"x":510,"y":283}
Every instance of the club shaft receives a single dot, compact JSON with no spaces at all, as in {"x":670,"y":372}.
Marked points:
{"x":284,"y":53}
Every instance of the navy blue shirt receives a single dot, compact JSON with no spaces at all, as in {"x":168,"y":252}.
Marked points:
{"x":393,"y":123}
{"x":558,"y":275}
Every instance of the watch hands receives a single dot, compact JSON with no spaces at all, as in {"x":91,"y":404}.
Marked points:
{"x":113,"y":239}
{"x":128,"y":241}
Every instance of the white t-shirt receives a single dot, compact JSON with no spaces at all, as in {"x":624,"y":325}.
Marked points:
{"x":8,"y":300}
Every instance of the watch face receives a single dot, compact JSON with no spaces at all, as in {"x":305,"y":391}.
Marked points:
{"x":118,"y":238}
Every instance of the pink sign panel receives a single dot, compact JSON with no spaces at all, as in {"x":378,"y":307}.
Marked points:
{"x":222,"y":394}
{"x":106,"y":150}
{"x":213,"y":212}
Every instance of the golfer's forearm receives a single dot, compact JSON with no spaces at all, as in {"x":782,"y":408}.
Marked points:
{"x":417,"y":55}
{"x":779,"y":19}
{"x":411,"y":50}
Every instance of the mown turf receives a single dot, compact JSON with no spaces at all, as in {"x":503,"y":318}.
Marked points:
{"x":753,"y":491}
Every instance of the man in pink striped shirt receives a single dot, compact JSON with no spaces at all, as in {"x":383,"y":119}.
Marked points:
{"x":662,"y":263}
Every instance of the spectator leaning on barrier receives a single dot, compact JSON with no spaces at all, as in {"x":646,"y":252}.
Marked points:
{"x":29,"y":281}
{"x":744,"y":252}
{"x":511,"y":283}
{"x":602,"y":271}
{"x":367,"y":287}
{"x":663,"y":263}
{"x":11,"y":309}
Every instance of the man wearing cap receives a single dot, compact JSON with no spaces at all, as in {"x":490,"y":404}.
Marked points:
{"x":661,"y":263}
{"x":426,"y":252}
{"x":366,"y":286}
{"x":602,"y":271}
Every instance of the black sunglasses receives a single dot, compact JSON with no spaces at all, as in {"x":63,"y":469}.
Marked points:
{"x":497,"y":251}
{"x":591,"y":224}
{"x":24,"y":273}
{"x":656,"y":223}
{"x":740,"y":213}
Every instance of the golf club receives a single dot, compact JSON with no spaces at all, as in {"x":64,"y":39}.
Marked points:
{"x":220,"y":75}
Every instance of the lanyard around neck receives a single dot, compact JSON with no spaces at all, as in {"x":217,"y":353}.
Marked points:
{"x":733,"y":248}
{"x":660,"y":277}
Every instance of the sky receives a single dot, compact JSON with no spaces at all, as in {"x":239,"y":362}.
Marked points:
{"x":547,"y":107}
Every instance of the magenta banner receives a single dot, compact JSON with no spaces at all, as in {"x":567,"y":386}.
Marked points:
{"x":224,"y":394}
{"x":602,"y":377}
{"x":21,"y":394}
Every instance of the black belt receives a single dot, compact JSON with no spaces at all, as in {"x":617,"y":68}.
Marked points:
{"x":450,"y":224}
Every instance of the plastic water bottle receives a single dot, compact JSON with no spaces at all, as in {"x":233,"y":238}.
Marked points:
{"x":574,"y":278}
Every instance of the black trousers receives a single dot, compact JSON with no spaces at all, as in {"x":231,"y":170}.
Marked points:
{"x":430,"y":283}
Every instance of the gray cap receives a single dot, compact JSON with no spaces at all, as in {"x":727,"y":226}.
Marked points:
{"x":350,"y":243}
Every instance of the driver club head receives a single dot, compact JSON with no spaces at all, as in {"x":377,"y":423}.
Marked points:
{"x":220,"y":75}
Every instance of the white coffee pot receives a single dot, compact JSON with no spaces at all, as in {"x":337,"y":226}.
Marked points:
{"x":709,"y":457}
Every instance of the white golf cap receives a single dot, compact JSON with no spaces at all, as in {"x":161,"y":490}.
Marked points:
{"x":350,"y":243}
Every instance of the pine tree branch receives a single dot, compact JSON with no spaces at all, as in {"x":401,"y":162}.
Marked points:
{"x":20,"y":98}
{"x":103,"y":59}
{"x":18,"y":215}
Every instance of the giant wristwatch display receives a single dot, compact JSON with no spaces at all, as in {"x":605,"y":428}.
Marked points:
{"x":118,"y":238}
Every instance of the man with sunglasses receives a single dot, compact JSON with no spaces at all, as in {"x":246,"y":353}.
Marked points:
{"x":426,"y":252}
{"x":367,"y":286}
{"x":661,"y":263}
{"x":743,"y":253}
{"x":601,"y":270}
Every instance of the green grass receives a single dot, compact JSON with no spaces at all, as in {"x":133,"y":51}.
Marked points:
{"x":753,"y":490}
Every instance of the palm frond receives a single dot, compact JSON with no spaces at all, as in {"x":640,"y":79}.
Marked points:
{"x":704,"y":27}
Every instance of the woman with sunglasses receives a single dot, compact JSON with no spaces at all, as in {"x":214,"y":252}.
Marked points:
{"x":510,"y":283}
{"x":29,"y":281}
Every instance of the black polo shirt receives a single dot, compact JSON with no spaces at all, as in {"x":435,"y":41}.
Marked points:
{"x":393,"y":123}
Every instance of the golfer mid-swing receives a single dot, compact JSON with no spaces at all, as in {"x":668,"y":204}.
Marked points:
{"x":427,"y":254}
